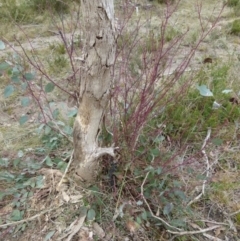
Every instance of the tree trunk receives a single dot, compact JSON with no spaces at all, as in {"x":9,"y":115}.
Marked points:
{"x":99,"y":48}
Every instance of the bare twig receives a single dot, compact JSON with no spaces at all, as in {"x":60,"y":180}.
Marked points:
{"x":66,"y":170}
{"x":149,"y":208}
{"x":210,"y":237}
{"x":207,"y":168}
{"x":213,"y":222}
{"x":196,"y":231}
{"x":28,"y":219}
{"x":234,"y":213}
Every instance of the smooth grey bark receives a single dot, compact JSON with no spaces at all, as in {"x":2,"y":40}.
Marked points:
{"x":99,"y":50}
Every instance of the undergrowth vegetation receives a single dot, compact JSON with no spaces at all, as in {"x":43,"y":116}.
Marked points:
{"x":27,"y":11}
{"x":176,"y":130}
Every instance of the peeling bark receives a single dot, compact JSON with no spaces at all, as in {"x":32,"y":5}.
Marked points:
{"x":99,"y":48}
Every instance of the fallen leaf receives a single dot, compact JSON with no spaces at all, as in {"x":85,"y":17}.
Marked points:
{"x":132,"y":226}
{"x":65,"y":197}
{"x":98,"y":230}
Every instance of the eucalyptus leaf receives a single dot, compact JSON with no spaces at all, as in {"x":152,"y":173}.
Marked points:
{"x":8,"y":91}
{"x":16,"y":70}
{"x":7,"y":176}
{"x":29,"y":76}
{"x":155,"y":152}
{"x":15,"y":78}
{"x":49,"y":87}
{"x":91,"y":214}
{"x":68,"y":130}
{"x":144,"y":215}
{"x":4,"y":66}
{"x":168,"y":209}
{"x":39,"y":182}
{"x":47,"y":130}
{"x":178,"y":223}
{"x":48,"y":161}
{"x":72,"y":113}
{"x":139,"y":203}
{"x":25,"y":101}
{"x":2,"y":45}
{"x":23,"y":119}
{"x":204,"y":91}
{"x":62,"y":165}
{"x":16,"y":215}
{"x":55,"y":113}
{"x":40,"y":128}
{"x":4,"y":162}
{"x":226,"y":91}
{"x":180,"y":194}
{"x":16,"y":162}
{"x":49,"y":235}
{"x":217,"y":141}
{"x":20,"y":153}
{"x":24,"y":86}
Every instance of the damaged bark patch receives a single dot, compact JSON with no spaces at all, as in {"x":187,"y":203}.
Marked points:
{"x":100,"y":46}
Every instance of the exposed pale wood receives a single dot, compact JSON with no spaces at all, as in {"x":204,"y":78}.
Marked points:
{"x":100,"y":46}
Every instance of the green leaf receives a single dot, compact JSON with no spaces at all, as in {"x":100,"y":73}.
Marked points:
{"x":23,"y":119}
{"x":20,"y":154}
{"x":39,"y":129}
{"x":72,"y":113}
{"x":204,"y":91}
{"x":28,"y":183}
{"x":226,"y":91}
{"x":62,"y":165}
{"x":47,"y":130}
{"x":178,"y":223}
{"x":168,"y":209}
{"x":144,"y":215}
{"x":16,"y":162}
{"x":40,"y":182}
{"x":4,"y":66}
{"x":8,"y":91}
{"x":54,"y":139}
{"x":91,"y":215}
{"x":24,"y":86}
{"x":29,"y":76}
{"x":34,"y":165}
{"x":180,"y":194}
{"x":48,"y":161}
{"x":217,"y":141}
{"x":60,"y":123}
{"x":155,"y":152}
{"x":2,"y":45}
{"x":138,"y":220}
{"x":25,"y":101}
{"x":159,"y":170}
{"x":4,"y":162}
{"x":49,"y":235}
{"x":15,"y":78}
{"x":68,"y":130}
{"x":55,"y":113}
{"x":16,"y":70}
{"x":16,"y":215}
{"x":33,"y":182}
{"x":159,"y":139}
{"x":49,"y":87}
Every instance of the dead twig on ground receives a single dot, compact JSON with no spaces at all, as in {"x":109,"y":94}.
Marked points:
{"x":66,"y":170}
{"x":29,"y":219}
{"x":207,"y":168}
{"x":149,"y":208}
{"x":195,"y":231}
